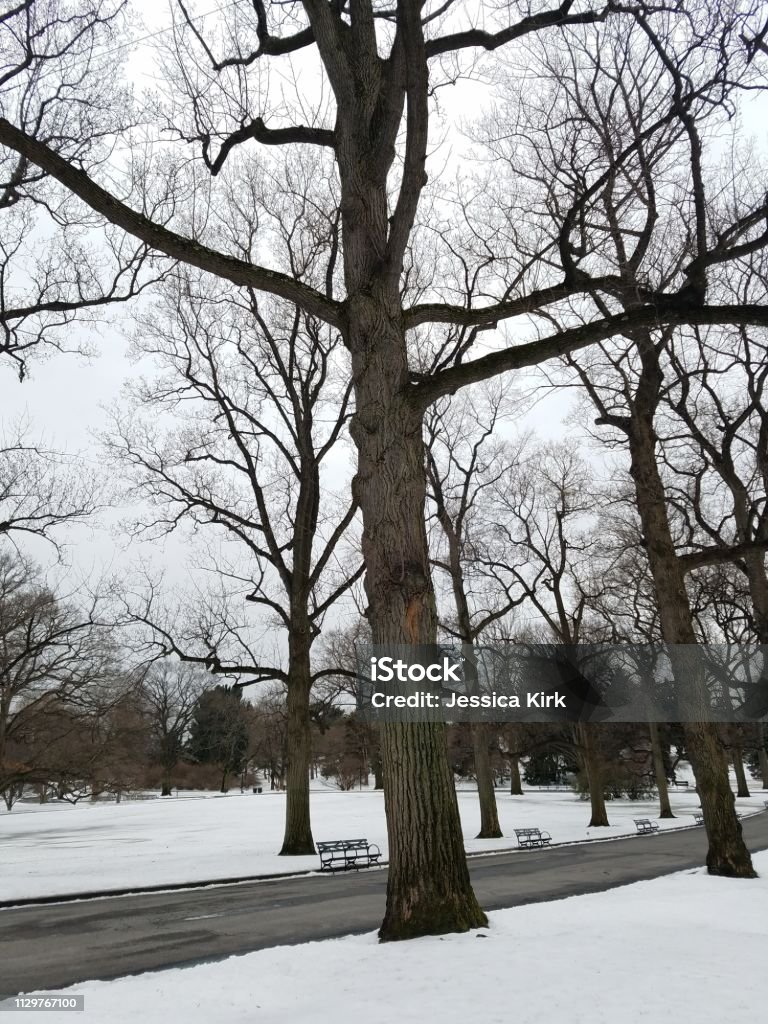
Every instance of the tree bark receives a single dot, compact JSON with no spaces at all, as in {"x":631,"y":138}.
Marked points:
{"x":659,"y":771}
{"x":297,"y":840}
{"x":742,"y":789}
{"x":591,"y":761}
{"x":489,"y":815}
{"x":727,"y":853}
{"x":429,"y":890}
{"x":378,"y":775}
{"x":515,"y":784}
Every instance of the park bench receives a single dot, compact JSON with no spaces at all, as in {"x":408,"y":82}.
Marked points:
{"x":347,"y":854}
{"x":679,"y":785}
{"x":699,"y":818}
{"x":645,"y":826}
{"x":532,"y":837}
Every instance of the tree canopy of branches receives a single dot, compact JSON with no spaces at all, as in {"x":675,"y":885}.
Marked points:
{"x":58,"y":82}
{"x":56,"y":676}
{"x":41,"y":490}
{"x":168,"y":696}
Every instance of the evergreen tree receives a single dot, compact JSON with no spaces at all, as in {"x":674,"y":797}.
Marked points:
{"x":219,"y":731}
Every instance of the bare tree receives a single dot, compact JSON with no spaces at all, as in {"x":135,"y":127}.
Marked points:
{"x":40,"y":489}
{"x":465,"y":460}
{"x":625,"y":380}
{"x":255,"y":418}
{"x":544,"y":513}
{"x":169,"y":693}
{"x":378,"y":72}
{"x":58,"y":82}
{"x":268,"y":736}
{"x":55,"y":672}
{"x":719,"y":462}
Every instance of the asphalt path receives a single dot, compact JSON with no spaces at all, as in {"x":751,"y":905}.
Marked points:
{"x":55,"y":945}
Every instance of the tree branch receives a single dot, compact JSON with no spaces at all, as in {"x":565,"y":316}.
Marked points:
{"x":427,"y":390}
{"x":478,"y":38}
{"x":176,"y":246}
{"x":258,"y":131}
{"x":717,"y":554}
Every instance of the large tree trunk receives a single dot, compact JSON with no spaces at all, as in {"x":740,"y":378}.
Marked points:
{"x":428,"y":890}
{"x":659,"y":771}
{"x":297,"y":840}
{"x":428,"y":886}
{"x":742,"y":789}
{"x":592,"y":764}
{"x":727,"y":854}
{"x":489,"y":815}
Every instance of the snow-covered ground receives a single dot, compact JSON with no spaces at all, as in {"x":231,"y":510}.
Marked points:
{"x":56,"y":849}
{"x":685,"y":947}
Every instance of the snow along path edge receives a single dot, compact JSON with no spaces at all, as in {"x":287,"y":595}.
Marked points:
{"x":41,"y":901}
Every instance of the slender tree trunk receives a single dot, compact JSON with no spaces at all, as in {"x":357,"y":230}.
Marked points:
{"x":297,"y":840}
{"x":428,"y":890}
{"x":665,"y":807}
{"x":489,"y":815}
{"x":515,"y":785}
{"x":486,"y":794}
{"x":762,"y":755}
{"x":737,"y":756}
{"x":166,"y":783}
{"x":592,"y":764}
{"x":727,"y":853}
{"x":758,"y":589}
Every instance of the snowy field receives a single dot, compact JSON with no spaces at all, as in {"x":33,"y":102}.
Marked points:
{"x":59,"y":849}
{"x":685,"y":947}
